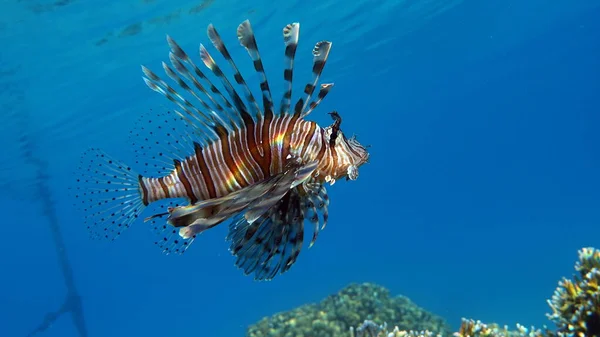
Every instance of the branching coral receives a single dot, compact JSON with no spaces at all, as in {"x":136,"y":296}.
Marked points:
{"x":371,"y":329}
{"x":576,"y":303}
{"x":472,"y":328}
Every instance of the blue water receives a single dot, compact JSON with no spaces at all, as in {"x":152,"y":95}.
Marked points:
{"x":483,"y":183}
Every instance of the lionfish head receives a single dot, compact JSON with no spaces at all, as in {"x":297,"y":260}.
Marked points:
{"x":350,"y":153}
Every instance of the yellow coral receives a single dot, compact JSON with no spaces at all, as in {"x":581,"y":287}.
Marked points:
{"x":575,"y":303}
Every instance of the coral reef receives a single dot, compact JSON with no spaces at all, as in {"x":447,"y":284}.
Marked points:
{"x":575,"y":311}
{"x":576,"y":303}
{"x":335,"y":315}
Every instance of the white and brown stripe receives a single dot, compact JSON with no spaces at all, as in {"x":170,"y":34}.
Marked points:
{"x":226,"y":165}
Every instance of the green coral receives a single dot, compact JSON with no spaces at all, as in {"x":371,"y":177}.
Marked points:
{"x":335,"y":315}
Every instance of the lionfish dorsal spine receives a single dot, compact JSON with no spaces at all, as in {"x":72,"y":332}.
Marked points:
{"x":215,"y":38}
{"x":157,"y":84}
{"x":246,"y":37}
{"x":212,"y":118}
{"x":181,"y":55}
{"x":210,"y":63}
{"x":320,"y":56}
{"x":291,"y":34}
{"x":183,"y":71}
{"x":323,"y":91}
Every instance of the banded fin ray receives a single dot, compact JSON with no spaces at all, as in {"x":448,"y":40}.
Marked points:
{"x":246,"y":37}
{"x":213,"y":118}
{"x":180,"y":55}
{"x":198,"y":117}
{"x":210,"y":63}
{"x":215,"y":38}
{"x":291,"y":33}
{"x":272,"y":243}
{"x":323,"y":91}
{"x":320,"y":56}
{"x":206,"y":119}
{"x":316,"y":205}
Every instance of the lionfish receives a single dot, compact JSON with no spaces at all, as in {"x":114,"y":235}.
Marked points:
{"x":263,"y":170}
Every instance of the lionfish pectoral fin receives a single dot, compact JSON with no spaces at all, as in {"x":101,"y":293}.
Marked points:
{"x":216,"y":210}
{"x":268,"y":236}
{"x":294,"y":176}
{"x":315,"y":207}
{"x":108,"y":193}
{"x":271,"y":243}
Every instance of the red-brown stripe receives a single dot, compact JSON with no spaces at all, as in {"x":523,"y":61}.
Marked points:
{"x":161,"y":182}
{"x":206,"y":174}
{"x":144,"y":190}
{"x":309,"y":136}
{"x":323,"y":145}
{"x":253,"y":148}
{"x":285,"y":149}
{"x":241,"y":142}
{"x":230,"y":161}
{"x":185,"y":181}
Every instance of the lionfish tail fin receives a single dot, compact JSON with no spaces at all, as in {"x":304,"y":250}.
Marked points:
{"x":108,"y":193}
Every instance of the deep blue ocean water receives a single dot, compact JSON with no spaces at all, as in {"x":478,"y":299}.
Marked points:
{"x":483,"y":183}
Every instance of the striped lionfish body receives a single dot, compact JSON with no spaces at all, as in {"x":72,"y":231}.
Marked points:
{"x":263,"y":169}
